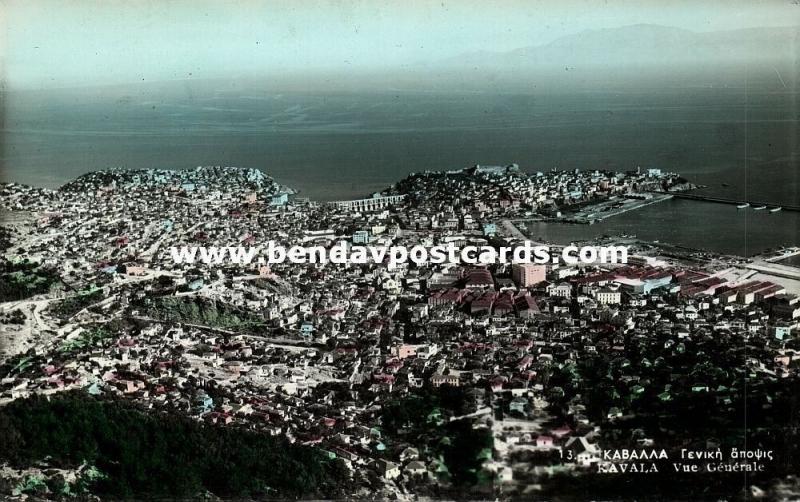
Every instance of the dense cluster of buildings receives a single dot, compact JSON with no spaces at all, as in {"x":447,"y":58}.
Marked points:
{"x":314,"y":352}
{"x":475,"y":198}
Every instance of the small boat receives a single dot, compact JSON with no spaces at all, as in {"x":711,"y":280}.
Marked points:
{"x":743,"y":206}
{"x":725,"y":185}
{"x":759,"y":208}
{"x":775,"y":209}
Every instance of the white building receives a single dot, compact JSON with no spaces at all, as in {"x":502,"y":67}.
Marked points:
{"x":609,"y":297}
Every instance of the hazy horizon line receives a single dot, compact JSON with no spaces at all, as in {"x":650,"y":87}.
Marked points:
{"x":327,"y":70}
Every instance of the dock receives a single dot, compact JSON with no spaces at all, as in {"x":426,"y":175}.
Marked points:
{"x":741,"y":204}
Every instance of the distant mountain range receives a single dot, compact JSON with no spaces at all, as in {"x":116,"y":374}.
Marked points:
{"x":646,"y":44}
{"x":612,"y":58}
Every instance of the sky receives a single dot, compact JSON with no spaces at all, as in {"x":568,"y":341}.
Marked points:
{"x":50,"y":44}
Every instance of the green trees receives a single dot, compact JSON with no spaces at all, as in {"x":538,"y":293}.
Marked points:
{"x":24,"y":279}
{"x":196,"y":311}
{"x":160,"y":455}
{"x":423,"y":418}
{"x":74,"y":304}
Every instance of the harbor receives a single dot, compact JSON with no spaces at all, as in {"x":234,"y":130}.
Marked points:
{"x":684,"y":222}
{"x":740,"y":204}
{"x":615,"y":206}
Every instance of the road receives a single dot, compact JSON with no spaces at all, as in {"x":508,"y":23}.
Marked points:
{"x":13,"y":340}
{"x":513,"y":230}
{"x":775,"y":269}
{"x":281,"y":343}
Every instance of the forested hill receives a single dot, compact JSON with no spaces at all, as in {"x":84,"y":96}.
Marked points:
{"x":159,"y":455}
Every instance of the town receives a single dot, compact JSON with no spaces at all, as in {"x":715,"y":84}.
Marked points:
{"x":441,"y":380}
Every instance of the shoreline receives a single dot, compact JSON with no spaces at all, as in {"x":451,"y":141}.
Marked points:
{"x":584,"y":217}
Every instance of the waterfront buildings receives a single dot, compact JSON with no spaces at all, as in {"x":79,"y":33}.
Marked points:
{"x":531,"y":359}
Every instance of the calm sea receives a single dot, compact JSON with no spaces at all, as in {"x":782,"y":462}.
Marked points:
{"x":702,"y":225}
{"x":346,"y":145}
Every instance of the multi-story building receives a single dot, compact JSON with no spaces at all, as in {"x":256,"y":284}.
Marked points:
{"x":609,"y":297}
{"x":528,"y":274}
{"x":563,"y":289}
{"x":361,"y":237}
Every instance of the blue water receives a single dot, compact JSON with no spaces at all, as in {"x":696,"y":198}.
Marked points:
{"x":702,"y":225}
{"x":345,"y":145}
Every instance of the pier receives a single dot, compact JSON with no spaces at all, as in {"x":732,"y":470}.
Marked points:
{"x":737,"y":202}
